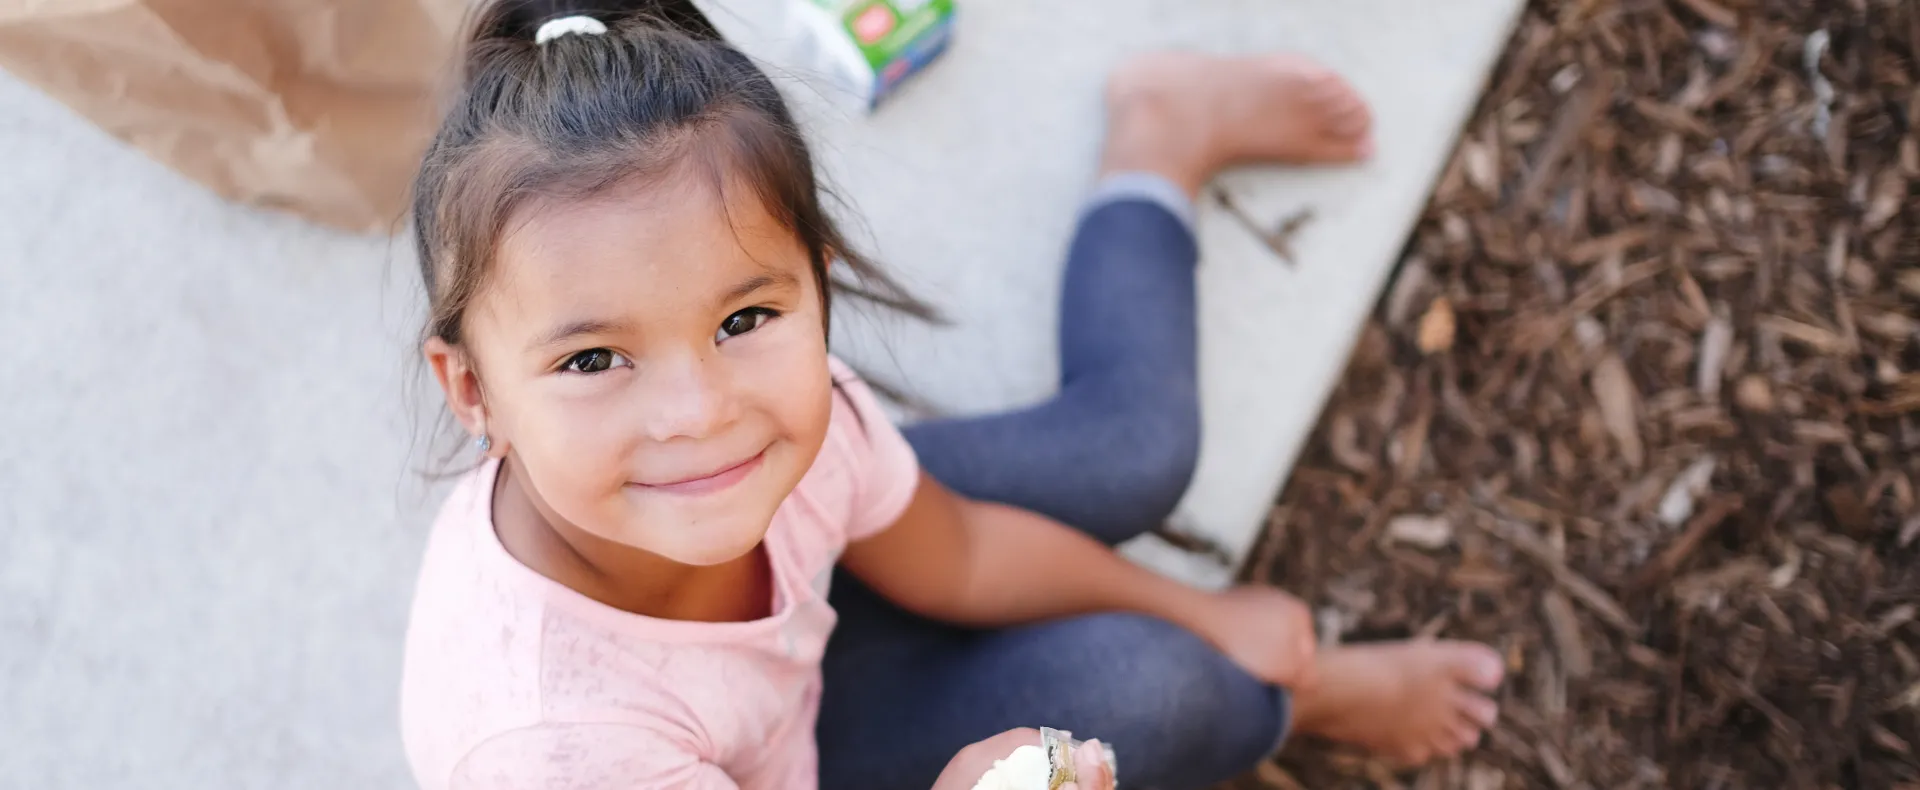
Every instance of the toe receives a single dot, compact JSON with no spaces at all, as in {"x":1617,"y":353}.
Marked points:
{"x":1476,"y":665}
{"x":1346,"y":137}
{"x":1313,"y":76}
{"x":1466,"y":735}
{"x":1447,"y":745}
{"x":1325,"y":90}
{"x":1349,"y":121}
{"x":1329,"y":89}
{"x":1477,"y":708}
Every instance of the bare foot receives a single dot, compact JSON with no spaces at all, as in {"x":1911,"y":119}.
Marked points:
{"x":1186,"y":115}
{"x":1408,"y":701}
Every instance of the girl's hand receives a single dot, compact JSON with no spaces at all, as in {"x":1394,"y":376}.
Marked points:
{"x":1090,"y":765}
{"x":1267,"y":632}
{"x":974,"y":761}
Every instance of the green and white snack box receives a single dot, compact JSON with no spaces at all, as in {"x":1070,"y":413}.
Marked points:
{"x":869,"y":47}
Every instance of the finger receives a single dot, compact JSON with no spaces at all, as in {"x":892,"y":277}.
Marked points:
{"x":1090,"y":763}
{"x":1307,"y":634}
{"x":1103,"y":764}
{"x":1308,"y":672}
{"x":1297,"y":678}
{"x":1006,"y":742}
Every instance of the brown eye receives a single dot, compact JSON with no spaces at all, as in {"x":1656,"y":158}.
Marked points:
{"x":594,"y":360}
{"x":742,"y":322}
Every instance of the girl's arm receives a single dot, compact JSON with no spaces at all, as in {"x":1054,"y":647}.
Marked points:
{"x":983,"y":564}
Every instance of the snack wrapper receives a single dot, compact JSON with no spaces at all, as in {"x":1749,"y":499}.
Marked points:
{"x":866,"y":48}
{"x":1060,"y":747}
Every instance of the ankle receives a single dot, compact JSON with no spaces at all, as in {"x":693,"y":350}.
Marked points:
{"x":1144,"y":134}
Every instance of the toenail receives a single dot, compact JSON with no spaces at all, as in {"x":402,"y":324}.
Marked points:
{"x":1487,"y":670}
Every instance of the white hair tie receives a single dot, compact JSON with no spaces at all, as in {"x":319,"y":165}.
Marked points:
{"x":567,"y":26}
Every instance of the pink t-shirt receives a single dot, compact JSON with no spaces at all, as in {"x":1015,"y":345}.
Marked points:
{"x":514,"y":681}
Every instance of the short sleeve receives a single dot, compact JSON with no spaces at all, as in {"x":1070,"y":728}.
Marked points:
{"x":584,"y":757}
{"x":885,"y":471}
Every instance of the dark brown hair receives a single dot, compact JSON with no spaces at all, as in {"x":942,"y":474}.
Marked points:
{"x":580,"y":114}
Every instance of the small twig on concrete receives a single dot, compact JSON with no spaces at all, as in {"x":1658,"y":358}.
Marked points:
{"x":1191,"y":542}
{"x":1280,"y":238}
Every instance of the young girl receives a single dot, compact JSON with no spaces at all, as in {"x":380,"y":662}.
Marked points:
{"x":629,"y":272}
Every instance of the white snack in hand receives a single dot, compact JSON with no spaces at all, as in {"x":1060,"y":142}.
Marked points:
{"x":1026,"y":769}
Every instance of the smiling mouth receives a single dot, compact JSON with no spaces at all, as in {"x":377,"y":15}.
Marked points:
{"x":707,"y":484}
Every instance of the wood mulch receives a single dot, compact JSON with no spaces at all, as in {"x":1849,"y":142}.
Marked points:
{"x":1642,"y":409}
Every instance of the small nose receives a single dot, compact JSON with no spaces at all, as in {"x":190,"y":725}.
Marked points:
{"x":688,"y":397}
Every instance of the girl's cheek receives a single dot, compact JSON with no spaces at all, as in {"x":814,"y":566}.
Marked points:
{"x":791,"y":358}
{"x":581,"y":441}
{"x":810,"y":406}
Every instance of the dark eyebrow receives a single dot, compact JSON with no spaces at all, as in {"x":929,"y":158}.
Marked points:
{"x":767,"y":279}
{"x":574,"y":329}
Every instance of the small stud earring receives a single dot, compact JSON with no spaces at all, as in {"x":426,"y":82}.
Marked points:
{"x":485,"y":443}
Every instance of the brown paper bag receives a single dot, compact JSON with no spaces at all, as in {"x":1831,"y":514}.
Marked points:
{"x":319,"y":107}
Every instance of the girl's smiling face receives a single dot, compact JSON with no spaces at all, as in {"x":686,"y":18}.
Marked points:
{"x":653,"y":363}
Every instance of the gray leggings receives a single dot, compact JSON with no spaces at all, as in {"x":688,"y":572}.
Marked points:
{"x":1111,"y":454}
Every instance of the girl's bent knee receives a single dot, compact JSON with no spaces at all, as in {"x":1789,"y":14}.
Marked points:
{"x":1151,"y":470}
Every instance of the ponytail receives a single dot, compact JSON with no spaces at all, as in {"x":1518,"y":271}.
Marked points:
{"x":520,"y":20}
{"x":624,"y":94}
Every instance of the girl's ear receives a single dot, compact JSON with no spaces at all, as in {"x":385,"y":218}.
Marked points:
{"x":461,"y":383}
